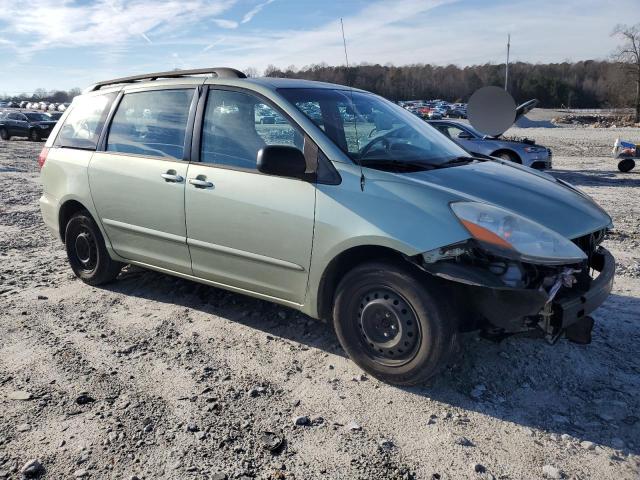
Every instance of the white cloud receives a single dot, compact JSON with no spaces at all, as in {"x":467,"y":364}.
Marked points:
{"x":254,"y":11}
{"x":222,"y":23}
{"x":105,"y":22}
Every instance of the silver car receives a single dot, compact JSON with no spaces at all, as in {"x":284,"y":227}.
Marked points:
{"x":524,"y":152}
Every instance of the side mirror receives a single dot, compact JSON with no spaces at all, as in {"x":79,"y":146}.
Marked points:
{"x":281,"y":160}
{"x":465,"y":135}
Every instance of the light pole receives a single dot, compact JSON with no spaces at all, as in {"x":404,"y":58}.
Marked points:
{"x":506,"y":71}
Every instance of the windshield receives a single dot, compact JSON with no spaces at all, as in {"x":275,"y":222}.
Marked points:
{"x":38,"y":117}
{"x":369,"y":128}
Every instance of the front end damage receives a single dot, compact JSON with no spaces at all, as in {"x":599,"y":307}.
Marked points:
{"x":504,"y":295}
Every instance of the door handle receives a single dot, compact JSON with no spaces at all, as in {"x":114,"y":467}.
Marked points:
{"x":171,"y":176}
{"x":200,"y":183}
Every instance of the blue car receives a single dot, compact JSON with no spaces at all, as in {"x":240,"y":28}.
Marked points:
{"x":524,"y":152}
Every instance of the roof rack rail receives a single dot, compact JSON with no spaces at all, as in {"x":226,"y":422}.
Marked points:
{"x":219,"y":72}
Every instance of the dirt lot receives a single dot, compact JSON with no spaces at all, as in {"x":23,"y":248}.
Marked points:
{"x":155,"y":377}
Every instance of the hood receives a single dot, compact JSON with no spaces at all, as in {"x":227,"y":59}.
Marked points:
{"x":538,"y":197}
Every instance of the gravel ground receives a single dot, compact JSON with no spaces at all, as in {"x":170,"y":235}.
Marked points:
{"x":156,"y":377}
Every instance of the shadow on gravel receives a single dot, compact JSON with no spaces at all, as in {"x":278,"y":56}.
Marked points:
{"x":588,"y":392}
{"x":272,"y":319}
{"x":525,"y":122}
{"x":595,"y":178}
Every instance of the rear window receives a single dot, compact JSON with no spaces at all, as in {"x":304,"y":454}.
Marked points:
{"x":151,"y":123}
{"x":85,"y":120}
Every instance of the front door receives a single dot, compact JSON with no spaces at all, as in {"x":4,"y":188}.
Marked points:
{"x":138,"y":182}
{"x":247,"y":230}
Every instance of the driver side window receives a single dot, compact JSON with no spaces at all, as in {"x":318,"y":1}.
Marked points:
{"x":237,"y":125}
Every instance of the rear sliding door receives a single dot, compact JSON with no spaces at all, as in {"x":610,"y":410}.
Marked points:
{"x":138,"y":181}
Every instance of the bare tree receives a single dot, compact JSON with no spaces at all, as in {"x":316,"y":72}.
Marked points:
{"x":251,"y":72}
{"x":629,"y":54}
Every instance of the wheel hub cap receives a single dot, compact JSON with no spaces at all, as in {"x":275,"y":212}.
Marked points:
{"x":83,"y":248}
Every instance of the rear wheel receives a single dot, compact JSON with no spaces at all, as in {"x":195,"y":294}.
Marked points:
{"x":86,"y":251}
{"x":393,"y":322}
{"x":4,"y":134}
{"x":34,"y":135}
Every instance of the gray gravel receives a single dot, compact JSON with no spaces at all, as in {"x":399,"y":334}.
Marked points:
{"x":188,"y":381}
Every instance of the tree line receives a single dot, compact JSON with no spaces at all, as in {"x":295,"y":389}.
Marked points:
{"x":584,"y":84}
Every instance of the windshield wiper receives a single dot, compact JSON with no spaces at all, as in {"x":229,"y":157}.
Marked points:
{"x":397,"y":164}
{"x":456,"y":161}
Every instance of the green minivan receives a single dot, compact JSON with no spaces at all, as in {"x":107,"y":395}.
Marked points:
{"x":327,"y":199}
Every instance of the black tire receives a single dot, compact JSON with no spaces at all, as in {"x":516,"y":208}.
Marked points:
{"x":4,"y":134}
{"x":34,"y":135}
{"x":423,"y":331}
{"x":626,"y":165}
{"x":87,"y":254}
{"x":511,"y":157}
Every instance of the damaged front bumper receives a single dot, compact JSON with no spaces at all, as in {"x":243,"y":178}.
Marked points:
{"x":509,"y":303}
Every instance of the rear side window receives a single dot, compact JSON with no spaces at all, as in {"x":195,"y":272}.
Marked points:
{"x":84,"y":122}
{"x":151,"y":123}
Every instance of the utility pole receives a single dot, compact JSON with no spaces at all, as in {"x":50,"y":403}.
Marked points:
{"x":506,"y":71}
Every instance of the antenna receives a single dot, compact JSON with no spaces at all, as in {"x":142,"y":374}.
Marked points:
{"x":506,"y":71}
{"x":353,"y":106}
{"x":344,"y":42}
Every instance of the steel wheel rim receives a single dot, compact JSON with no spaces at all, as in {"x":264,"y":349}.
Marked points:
{"x":388,"y":327}
{"x":85,"y":250}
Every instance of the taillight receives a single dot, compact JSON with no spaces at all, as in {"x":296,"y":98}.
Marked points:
{"x":43,"y":156}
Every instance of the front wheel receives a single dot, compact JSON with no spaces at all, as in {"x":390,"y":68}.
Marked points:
{"x":4,"y":134}
{"x":510,"y":157}
{"x":393,"y":322}
{"x":86,"y":251}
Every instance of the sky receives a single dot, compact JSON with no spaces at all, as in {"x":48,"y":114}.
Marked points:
{"x":61,"y":44}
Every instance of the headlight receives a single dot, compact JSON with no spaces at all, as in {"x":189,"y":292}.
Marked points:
{"x":511,"y":233}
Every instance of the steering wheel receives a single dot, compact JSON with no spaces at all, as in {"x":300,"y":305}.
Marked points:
{"x":404,"y":132}
{"x":368,"y":147}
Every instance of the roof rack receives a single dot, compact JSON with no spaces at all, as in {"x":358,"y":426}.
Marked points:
{"x":220,"y":72}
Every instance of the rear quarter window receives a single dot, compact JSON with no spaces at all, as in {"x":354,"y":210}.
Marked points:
{"x":84,"y":122}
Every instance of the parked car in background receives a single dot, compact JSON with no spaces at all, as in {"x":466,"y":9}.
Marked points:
{"x":457,"y":112}
{"x":522,"y":151}
{"x":33,"y":125}
{"x":63,"y":106}
{"x":434,"y":114}
{"x":52,"y":107}
{"x":54,"y":115}
{"x":386,"y":228}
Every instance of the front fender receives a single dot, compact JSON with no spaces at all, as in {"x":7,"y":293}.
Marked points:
{"x":385,"y":212}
